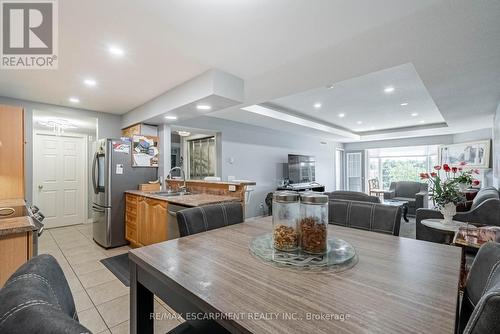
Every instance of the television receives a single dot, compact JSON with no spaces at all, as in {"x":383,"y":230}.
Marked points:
{"x":301,"y":168}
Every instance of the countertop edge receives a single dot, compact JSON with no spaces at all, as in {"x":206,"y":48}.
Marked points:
{"x":8,"y":230}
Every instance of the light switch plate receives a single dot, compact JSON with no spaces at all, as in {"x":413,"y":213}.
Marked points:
{"x":232,"y":187}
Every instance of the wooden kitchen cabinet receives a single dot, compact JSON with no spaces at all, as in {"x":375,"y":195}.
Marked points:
{"x":146,"y":220}
{"x":15,"y":250}
{"x":11,"y":152}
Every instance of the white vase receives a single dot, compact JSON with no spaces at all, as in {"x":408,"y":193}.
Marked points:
{"x":449,"y":210}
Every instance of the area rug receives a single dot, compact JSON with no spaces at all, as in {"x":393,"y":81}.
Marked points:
{"x":118,"y":265}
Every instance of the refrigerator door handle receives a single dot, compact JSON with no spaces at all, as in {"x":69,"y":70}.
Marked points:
{"x":95,"y":208}
{"x":94,"y":181}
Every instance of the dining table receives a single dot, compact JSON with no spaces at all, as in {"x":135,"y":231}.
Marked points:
{"x":398,"y":285}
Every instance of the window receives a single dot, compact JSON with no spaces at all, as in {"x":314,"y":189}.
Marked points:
{"x":202,"y":158}
{"x":339,"y":169}
{"x":400,"y":163}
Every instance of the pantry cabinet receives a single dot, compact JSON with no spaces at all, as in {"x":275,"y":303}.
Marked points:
{"x":11,"y":152}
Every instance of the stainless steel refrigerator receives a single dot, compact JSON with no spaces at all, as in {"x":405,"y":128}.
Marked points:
{"x":112,"y":175}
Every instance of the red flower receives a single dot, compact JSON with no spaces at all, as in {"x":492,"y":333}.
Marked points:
{"x":446,"y":168}
{"x":433,"y":174}
{"x":424,"y":176}
{"x":475,"y":182}
{"x":463,"y":163}
{"x":437,"y":167}
{"x":460,"y":169}
{"x":454,"y":169}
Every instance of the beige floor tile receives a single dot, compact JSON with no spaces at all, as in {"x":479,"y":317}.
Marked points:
{"x":81,"y":250}
{"x":84,"y":257}
{"x":88,"y":266}
{"x":73,"y":282}
{"x":115,"y":311}
{"x":167,"y":322}
{"x":92,"y":320}
{"x":108,"y":291}
{"x":116,"y":251}
{"x":82,"y":301}
{"x":123,"y":328}
{"x":96,"y":278}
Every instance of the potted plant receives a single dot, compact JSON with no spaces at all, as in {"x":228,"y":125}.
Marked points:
{"x":444,"y":191}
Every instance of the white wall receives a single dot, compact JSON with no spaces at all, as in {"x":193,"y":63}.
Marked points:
{"x":109,"y":125}
{"x":260,"y":154}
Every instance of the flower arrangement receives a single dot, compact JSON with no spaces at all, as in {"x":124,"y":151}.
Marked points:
{"x":446,"y":191}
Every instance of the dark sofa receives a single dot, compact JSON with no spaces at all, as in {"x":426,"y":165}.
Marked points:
{"x":359,"y":210}
{"x":415,"y":193}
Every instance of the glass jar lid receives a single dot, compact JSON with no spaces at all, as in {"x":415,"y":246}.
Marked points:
{"x":314,"y":198}
{"x":286,"y":197}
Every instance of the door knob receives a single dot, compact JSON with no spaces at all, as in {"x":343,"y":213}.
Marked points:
{"x":40,"y":187}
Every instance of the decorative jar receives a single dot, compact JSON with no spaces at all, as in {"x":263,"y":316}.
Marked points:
{"x":313,"y":223}
{"x":286,"y":212}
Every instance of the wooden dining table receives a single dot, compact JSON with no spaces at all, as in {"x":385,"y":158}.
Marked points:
{"x":399,"y":285}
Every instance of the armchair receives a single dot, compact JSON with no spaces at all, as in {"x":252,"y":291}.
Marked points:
{"x":485,"y":210}
{"x":415,"y":193}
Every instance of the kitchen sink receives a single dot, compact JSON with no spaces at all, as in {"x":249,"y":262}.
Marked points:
{"x":171,"y":193}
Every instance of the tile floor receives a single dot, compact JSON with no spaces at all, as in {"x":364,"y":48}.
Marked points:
{"x":102,"y":301}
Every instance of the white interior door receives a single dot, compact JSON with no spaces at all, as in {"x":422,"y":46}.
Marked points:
{"x":59,"y":179}
{"x":354,"y":171}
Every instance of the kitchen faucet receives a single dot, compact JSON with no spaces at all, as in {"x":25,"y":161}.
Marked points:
{"x":183,"y":188}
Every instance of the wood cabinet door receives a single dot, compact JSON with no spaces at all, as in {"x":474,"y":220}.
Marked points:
{"x":142,"y":221}
{"x":11,"y":152}
{"x":157,"y":221}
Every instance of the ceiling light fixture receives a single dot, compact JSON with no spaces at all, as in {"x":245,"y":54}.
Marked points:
{"x":183,"y":133}
{"x":116,"y":51}
{"x":389,"y":89}
{"x":404,"y":104}
{"x":317,"y":105}
{"x":329,"y":87}
{"x":171,"y":117}
{"x":422,"y":122}
{"x":90,"y":82}
{"x":342,"y":115}
{"x":359,"y":122}
{"x":74,"y":100}
{"x":203,"y":107}
{"x":415,"y":114}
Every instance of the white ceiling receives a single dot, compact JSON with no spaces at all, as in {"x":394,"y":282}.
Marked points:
{"x":364,"y":104}
{"x":280,"y":48}
{"x":169,"y":42}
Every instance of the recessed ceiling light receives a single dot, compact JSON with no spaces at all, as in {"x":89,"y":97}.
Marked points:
{"x":74,"y":100}
{"x":116,"y":51}
{"x":415,"y":114}
{"x":329,"y":87}
{"x":359,"y":122}
{"x":342,"y":115}
{"x":422,"y":122}
{"x":90,"y":82}
{"x":203,"y":107}
{"x":389,"y":89}
{"x":183,"y":133}
{"x":404,"y":104}
{"x":317,"y":105}
{"x":171,"y":117}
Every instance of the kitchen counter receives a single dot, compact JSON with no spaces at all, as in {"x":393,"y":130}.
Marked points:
{"x":16,"y":224}
{"x":187,"y":200}
{"x":235,"y":182}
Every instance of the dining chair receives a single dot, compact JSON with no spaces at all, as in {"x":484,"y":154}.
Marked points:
{"x":481,"y":299}
{"x":209,"y":217}
{"x":374,"y":188}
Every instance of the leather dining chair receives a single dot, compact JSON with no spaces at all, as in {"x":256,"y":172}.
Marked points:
{"x":209,"y":217}
{"x":481,"y":300}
